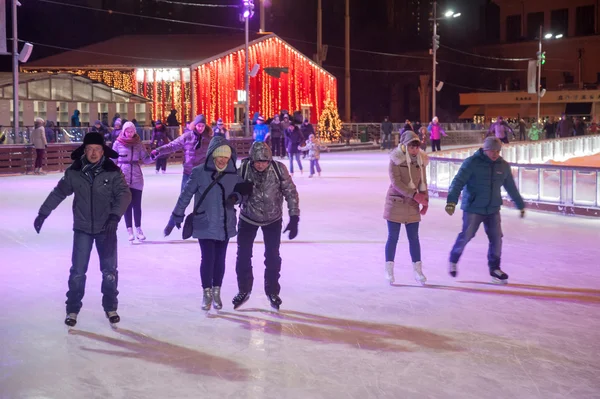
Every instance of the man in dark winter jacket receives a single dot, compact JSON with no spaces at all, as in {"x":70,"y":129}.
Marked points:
{"x":565,"y":127}
{"x":386,"y":128}
{"x":101,"y":198}
{"x":264,"y":209}
{"x":482,"y":176}
{"x":172,"y":118}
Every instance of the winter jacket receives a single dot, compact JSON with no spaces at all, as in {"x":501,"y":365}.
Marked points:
{"x":115,"y":134}
{"x":49,"y":132}
{"x":400,"y":207}
{"x":215,"y":219}
{"x":314,"y":149}
{"x":260,"y":132}
{"x":103,"y":130}
{"x":265,"y":204}
{"x":108,"y":194}
{"x":579,"y":129}
{"x":500,"y":130}
{"x":75,"y":119}
{"x":276,"y":130}
{"x":194,"y":146}
{"x":480,"y":179}
{"x":130,"y":156}
{"x":172,"y":119}
{"x":38,"y":137}
{"x":293,"y":138}
{"x":550,"y":128}
{"x":436,"y":131}
{"x":160,"y":138}
{"x":387,"y":127}
{"x":217,"y":131}
{"x":307,"y":130}
{"x":565,"y":128}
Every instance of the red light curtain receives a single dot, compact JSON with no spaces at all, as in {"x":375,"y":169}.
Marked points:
{"x":305,"y":85}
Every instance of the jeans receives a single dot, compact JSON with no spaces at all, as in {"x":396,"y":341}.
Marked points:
{"x":387,"y":141}
{"x":161,"y":163}
{"x":436,"y":145}
{"x":107,"y":252}
{"x":184,"y":180}
{"x":414,"y":246}
{"x":243,"y":265}
{"x":135,"y":207}
{"x":493,"y":229}
{"x":212,"y":265}
{"x":314,"y":163}
{"x":39,"y":157}
{"x":297,"y":155}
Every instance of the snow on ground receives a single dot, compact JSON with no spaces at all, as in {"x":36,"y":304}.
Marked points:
{"x":343,"y":332}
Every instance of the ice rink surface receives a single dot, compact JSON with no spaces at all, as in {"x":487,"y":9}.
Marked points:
{"x":342,"y":331}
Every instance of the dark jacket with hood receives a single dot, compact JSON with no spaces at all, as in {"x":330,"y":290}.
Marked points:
{"x":215,"y":220}
{"x":75,"y":119}
{"x":480,"y":179}
{"x":194,"y":146}
{"x":107,"y":194}
{"x":265,"y":204}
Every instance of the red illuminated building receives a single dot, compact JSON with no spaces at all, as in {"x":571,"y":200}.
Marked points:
{"x":199,"y":74}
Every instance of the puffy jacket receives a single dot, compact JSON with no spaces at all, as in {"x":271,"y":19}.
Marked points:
{"x":195,"y":148}
{"x":307,"y":130}
{"x":500,"y":130}
{"x":265,"y":205}
{"x":160,"y":138}
{"x":130,"y":156}
{"x":314,"y":149}
{"x":107,"y":195}
{"x":215,"y":220}
{"x":480,"y":180}
{"x":276,"y":130}
{"x":436,"y":131}
{"x":565,"y":128}
{"x":38,"y":137}
{"x":400,"y":207}
{"x":293,"y":138}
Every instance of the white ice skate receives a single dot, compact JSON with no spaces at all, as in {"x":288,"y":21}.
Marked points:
{"x":389,"y":272}
{"x":140,"y":234}
{"x":130,"y":233}
{"x":207,"y":299}
{"x":418,"y":270}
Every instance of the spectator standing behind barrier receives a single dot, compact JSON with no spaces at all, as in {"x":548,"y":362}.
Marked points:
{"x":386,"y":129}
{"x":38,"y":139}
{"x":550,"y":128}
{"x":565,"y":127}
{"x":50,"y":133}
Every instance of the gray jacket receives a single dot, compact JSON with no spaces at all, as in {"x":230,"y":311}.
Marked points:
{"x":130,"y":157}
{"x":193,"y":146}
{"x":265,"y":204}
{"x":93,"y":203}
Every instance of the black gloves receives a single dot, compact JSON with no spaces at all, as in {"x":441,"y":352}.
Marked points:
{"x":292,"y":227}
{"x":110,"y":227}
{"x":231,"y":200}
{"x":244,"y":188}
{"x":38,"y":222}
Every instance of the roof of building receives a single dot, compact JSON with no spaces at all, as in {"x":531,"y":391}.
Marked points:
{"x":146,"y":51}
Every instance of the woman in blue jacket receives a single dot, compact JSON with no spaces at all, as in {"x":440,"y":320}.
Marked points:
{"x":215,"y":220}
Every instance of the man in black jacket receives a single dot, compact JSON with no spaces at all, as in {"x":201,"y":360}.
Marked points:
{"x":386,"y":129}
{"x":101,"y":198}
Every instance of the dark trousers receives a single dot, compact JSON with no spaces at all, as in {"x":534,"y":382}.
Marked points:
{"x":504,"y":139}
{"x":212,"y":265}
{"x":39,"y":157}
{"x":436,"y":145}
{"x":135,"y":208}
{"x":493,"y":229}
{"x":414,"y":246}
{"x":107,"y":252}
{"x":314,"y":163}
{"x":243,"y":265}
{"x":522,"y":135}
{"x":277,"y":146}
{"x":161,"y":163}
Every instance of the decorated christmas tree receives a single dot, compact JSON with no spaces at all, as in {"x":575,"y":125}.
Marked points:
{"x":330,"y":124}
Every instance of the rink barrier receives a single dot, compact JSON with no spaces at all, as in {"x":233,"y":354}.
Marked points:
{"x":20,"y":159}
{"x":569,"y":190}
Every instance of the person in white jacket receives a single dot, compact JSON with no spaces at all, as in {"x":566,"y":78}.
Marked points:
{"x":38,"y":139}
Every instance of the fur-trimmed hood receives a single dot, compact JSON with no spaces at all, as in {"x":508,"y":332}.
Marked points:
{"x":398,"y":157}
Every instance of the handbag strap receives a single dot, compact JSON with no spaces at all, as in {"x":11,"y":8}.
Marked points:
{"x":205,"y":193}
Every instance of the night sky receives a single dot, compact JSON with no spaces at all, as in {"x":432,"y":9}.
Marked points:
{"x":295,"y":21}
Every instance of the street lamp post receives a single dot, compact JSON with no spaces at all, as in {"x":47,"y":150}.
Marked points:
{"x":15,"y":65}
{"x":435,"y":42}
{"x":541,"y":59}
{"x":247,"y":14}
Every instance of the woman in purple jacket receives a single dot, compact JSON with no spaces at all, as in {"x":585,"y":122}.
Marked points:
{"x":131,"y":152}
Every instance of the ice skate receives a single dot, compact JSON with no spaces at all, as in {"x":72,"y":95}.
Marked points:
{"x":113,"y":317}
{"x":71,"y":319}
{"x":164,"y":171}
{"x":216,"y":292}
{"x":389,"y":272}
{"x":130,"y":233}
{"x":240,"y":299}
{"x":311,"y":176}
{"x":452,"y":269}
{"x":319,"y":174}
{"x":418,"y":270}
{"x":140,"y":234}
{"x":275,"y":301}
{"x":207,"y":299}
{"x":498,"y":276}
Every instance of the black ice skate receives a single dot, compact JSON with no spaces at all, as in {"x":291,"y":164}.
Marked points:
{"x":113,"y":317}
{"x":240,"y":299}
{"x":498,"y":276}
{"x":71,"y":319}
{"x":275,"y":301}
{"x":452,"y":269}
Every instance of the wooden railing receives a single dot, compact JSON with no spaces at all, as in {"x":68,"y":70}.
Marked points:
{"x":20,"y":159}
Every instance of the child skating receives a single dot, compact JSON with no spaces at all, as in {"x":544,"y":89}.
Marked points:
{"x":314,"y":148}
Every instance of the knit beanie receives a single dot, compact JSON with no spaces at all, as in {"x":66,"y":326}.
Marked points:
{"x":222,"y":151}
{"x":199,"y":119}
{"x":492,"y":143}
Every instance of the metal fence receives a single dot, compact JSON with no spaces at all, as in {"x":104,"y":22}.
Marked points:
{"x":558,"y":188}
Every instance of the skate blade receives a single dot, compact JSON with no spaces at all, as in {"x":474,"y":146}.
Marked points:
{"x":497,"y":281}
